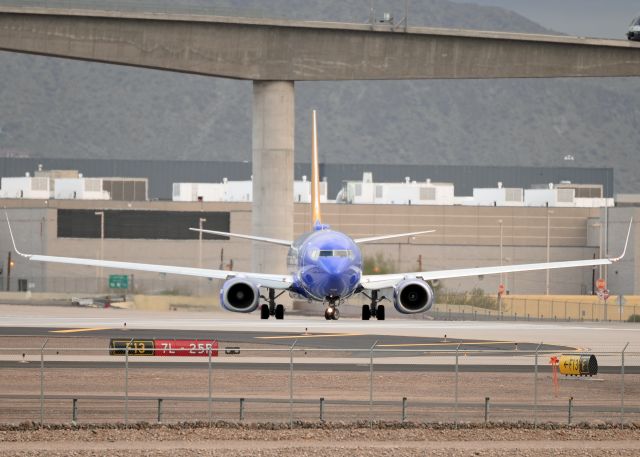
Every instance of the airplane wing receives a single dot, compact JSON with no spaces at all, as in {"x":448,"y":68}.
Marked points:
{"x":273,"y":281}
{"x":247,"y":237}
{"x":374,"y":282}
{"x":385,"y":237}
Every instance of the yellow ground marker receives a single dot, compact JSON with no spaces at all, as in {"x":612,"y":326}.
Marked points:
{"x":78,"y":330}
{"x":319,"y":335}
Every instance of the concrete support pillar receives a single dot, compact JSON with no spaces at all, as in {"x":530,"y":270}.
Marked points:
{"x":273,"y":132}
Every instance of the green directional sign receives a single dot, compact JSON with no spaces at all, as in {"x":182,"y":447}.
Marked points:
{"x":118,"y":281}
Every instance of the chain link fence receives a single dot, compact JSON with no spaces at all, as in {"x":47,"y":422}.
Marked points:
{"x":75,"y":380}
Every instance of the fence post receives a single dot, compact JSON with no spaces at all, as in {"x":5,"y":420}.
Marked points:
{"x":404,"y":409}
{"x":622,"y":385}
{"x":291,"y":384}
{"x":570,"y":410}
{"x":321,"y":409}
{"x":486,"y":409}
{"x":371,"y":384}
{"x":210,"y":390}
{"x":159,"y":410}
{"x":455,"y":418}
{"x":42,"y":382}
{"x":535,"y":389}
{"x":241,"y":409}
{"x":74,"y":411}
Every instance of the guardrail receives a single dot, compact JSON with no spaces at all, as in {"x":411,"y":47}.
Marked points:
{"x":308,"y":384}
{"x":402,"y":408}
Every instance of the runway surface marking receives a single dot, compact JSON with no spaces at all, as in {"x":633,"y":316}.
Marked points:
{"x":318,"y":335}
{"x":78,"y":330}
{"x":442,"y":343}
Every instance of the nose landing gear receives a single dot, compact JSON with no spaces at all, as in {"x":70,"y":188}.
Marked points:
{"x":332,"y":312}
{"x":271,"y":308}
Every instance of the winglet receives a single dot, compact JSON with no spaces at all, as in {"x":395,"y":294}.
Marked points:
{"x":624,"y":251}
{"x":13,"y":240}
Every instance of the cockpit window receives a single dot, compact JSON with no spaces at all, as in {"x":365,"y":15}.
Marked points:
{"x":636,"y":21}
{"x":332,"y":253}
{"x":335,"y":253}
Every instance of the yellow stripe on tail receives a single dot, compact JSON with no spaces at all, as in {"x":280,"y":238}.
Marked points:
{"x":315,"y":179}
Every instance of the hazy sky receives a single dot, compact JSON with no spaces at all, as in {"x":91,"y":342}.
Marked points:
{"x":594,"y":18}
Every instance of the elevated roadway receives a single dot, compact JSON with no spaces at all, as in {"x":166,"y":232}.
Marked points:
{"x":286,"y":50}
{"x":276,"y":53}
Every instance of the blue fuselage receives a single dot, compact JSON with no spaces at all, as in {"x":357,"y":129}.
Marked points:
{"x":325,"y":264}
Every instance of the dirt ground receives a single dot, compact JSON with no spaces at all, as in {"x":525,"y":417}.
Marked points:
{"x":320,"y":440}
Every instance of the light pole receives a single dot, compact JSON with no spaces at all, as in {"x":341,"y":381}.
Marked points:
{"x":500,"y":287}
{"x":500,"y":223}
{"x":599,"y":226}
{"x":200,"y":221}
{"x":101,"y":270}
{"x":549,"y":213}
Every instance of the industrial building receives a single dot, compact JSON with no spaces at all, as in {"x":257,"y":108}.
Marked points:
{"x":161,"y":174}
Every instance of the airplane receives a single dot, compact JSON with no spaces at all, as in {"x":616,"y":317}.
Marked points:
{"x":325,"y":266}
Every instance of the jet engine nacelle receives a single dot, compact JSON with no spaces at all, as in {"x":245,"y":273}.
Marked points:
{"x":239,"y":295}
{"x":411,"y":296}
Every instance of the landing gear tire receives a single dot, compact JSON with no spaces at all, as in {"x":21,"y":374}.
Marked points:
{"x":264,"y":312}
{"x":279,"y":312}
{"x":380,"y":313}
{"x":366,"y":313}
{"x":331,"y":313}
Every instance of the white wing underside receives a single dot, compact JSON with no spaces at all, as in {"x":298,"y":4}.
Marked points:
{"x":374,"y":282}
{"x":273,"y":281}
{"x":386,"y":237}
{"x":390,"y":280}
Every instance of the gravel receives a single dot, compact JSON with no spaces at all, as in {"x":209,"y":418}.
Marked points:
{"x":315,"y":439}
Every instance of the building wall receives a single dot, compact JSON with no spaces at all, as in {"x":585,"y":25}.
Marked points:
{"x":464,"y":237}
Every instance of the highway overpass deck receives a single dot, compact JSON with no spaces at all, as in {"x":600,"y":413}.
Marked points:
{"x":293,"y":50}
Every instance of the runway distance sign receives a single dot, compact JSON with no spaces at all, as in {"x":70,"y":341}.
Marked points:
{"x":164,"y":348}
{"x":136,"y":347}
{"x":186,"y":348}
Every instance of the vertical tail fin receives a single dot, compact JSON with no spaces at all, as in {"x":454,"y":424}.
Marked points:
{"x":316,"y":219}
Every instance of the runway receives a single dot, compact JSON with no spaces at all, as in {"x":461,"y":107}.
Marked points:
{"x":314,"y":331}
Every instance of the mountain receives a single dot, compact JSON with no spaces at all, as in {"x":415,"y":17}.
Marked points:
{"x":63,"y":108}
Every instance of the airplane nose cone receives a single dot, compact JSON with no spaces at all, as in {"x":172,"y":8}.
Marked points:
{"x":335,"y":284}
{"x":336,"y":278}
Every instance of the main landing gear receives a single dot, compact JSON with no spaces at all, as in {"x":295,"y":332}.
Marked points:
{"x":271,"y":308}
{"x":373,"y":310}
